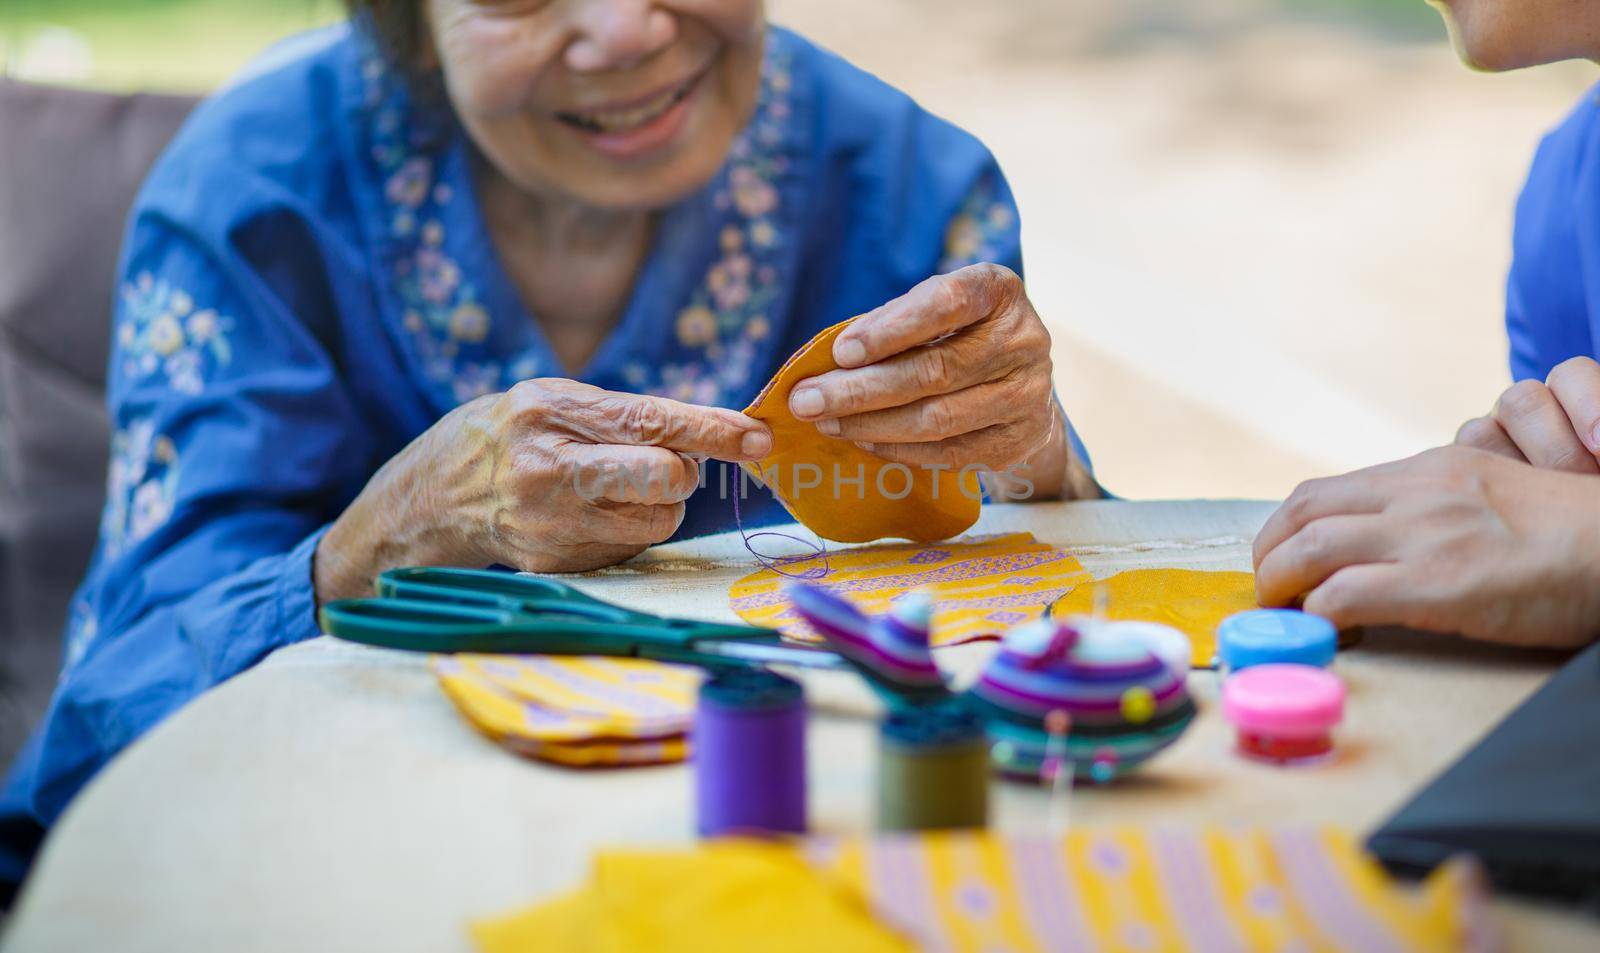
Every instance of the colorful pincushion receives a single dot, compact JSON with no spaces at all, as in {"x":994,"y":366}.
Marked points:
{"x":1122,"y":697}
{"x":891,"y":650}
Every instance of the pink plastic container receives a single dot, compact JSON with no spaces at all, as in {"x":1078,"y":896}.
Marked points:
{"x":1285,"y":713}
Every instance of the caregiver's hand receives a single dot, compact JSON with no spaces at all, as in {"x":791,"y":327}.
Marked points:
{"x":955,"y":372}
{"x":1451,"y":540}
{"x":1554,"y":425}
{"x":533,"y":479}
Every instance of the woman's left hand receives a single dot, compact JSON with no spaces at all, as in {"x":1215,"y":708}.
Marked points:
{"x":955,"y":372}
{"x":1451,"y":540}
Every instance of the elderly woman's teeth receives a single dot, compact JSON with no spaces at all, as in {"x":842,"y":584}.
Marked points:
{"x":618,"y":120}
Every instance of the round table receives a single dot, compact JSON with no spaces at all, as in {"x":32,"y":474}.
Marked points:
{"x":332,"y":799}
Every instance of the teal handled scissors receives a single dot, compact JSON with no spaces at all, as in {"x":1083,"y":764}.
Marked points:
{"x":436,"y":609}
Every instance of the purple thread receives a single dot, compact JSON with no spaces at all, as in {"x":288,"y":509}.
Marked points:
{"x":749,"y":744}
{"x":776,"y":563}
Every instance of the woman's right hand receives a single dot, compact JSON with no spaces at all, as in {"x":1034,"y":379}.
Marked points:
{"x":550,"y":476}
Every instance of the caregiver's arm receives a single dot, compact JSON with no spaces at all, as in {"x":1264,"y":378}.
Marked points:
{"x":551,"y":476}
{"x":1451,"y":540}
{"x":955,"y":372}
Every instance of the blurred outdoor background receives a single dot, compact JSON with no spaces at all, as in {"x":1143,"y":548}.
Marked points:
{"x":1270,"y":235}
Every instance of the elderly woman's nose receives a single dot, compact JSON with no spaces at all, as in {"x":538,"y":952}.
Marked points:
{"x":617,"y":34}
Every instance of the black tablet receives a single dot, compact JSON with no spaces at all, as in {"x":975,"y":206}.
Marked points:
{"x":1525,"y":800}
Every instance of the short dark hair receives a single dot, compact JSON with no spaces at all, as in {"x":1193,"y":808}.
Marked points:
{"x":396,"y":25}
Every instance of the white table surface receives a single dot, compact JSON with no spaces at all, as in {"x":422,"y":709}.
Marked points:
{"x":332,"y":799}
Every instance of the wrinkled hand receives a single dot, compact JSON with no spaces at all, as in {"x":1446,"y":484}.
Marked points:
{"x":1554,"y":425}
{"x":955,"y":372}
{"x":550,"y":476}
{"x":1451,"y":540}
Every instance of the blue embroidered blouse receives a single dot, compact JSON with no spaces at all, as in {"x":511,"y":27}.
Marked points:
{"x":308,"y":284}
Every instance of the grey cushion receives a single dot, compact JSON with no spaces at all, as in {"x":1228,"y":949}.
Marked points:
{"x":70,"y":164}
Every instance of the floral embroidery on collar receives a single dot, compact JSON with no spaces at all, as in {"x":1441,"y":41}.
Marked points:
{"x":140,"y":487}
{"x":160,"y":332}
{"x":445,"y":311}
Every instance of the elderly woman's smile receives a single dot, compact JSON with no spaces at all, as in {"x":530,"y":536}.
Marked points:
{"x":620,"y":119}
{"x":618,"y":106}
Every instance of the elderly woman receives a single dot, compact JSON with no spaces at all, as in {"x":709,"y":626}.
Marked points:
{"x":388,"y":290}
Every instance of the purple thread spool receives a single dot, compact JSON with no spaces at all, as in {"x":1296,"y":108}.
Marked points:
{"x":750,"y":754}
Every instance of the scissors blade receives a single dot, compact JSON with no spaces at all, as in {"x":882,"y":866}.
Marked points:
{"x":770,"y":653}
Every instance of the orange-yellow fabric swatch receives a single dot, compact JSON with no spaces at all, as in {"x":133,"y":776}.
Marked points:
{"x":578,"y":711}
{"x":1193,"y":601}
{"x":980,"y":585}
{"x":841,"y":492}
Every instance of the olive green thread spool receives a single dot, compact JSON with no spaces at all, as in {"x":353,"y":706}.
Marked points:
{"x":933,"y":769}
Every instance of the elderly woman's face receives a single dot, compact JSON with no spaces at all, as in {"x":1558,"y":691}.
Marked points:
{"x":616,"y":103}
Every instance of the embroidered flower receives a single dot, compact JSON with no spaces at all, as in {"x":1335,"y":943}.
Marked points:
{"x":158,"y":331}
{"x":982,"y":230}
{"x":963,"y":239}
{"x":763,"y":234}
{"x":183,"y":372}
{"x":202,"y":326}
{"x":729,"y":281}
{"x":409,"y":184}
{"x":166,"y":336}
{"x":141,"y":485}
{"x":469,"y":322}
{"x":753,"y":195}
{"x":437,"y":275}
{"x":697,"y":326}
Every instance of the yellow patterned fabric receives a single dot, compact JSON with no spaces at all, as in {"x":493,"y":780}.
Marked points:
{"x":724,"y":897}
{"x":1107,"y":889}
{"x":981,"y":585}
{"x":1192,"y":601}
{"x":578,"y":710}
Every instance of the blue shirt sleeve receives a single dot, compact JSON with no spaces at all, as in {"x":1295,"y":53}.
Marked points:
{"x":1554,"y":266}
{"x":234,"y":444}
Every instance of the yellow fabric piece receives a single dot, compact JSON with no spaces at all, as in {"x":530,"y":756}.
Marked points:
{"x":725,"y":897}
{"x":981,"y":586}
{"x":937,"y":504}
{"x":1192,"y":601}
{"x":562,"y":925}
{"x":575,"y":710}
{"x":1112,"y":889}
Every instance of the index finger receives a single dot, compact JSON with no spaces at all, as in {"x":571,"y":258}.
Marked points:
{"x":929,"y":311}
{"x":647,"y":421}
{"x":1351,"y":494}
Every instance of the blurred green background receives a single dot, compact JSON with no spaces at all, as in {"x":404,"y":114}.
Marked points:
{"x":147,"y":44}
{"x":191,"y":45}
